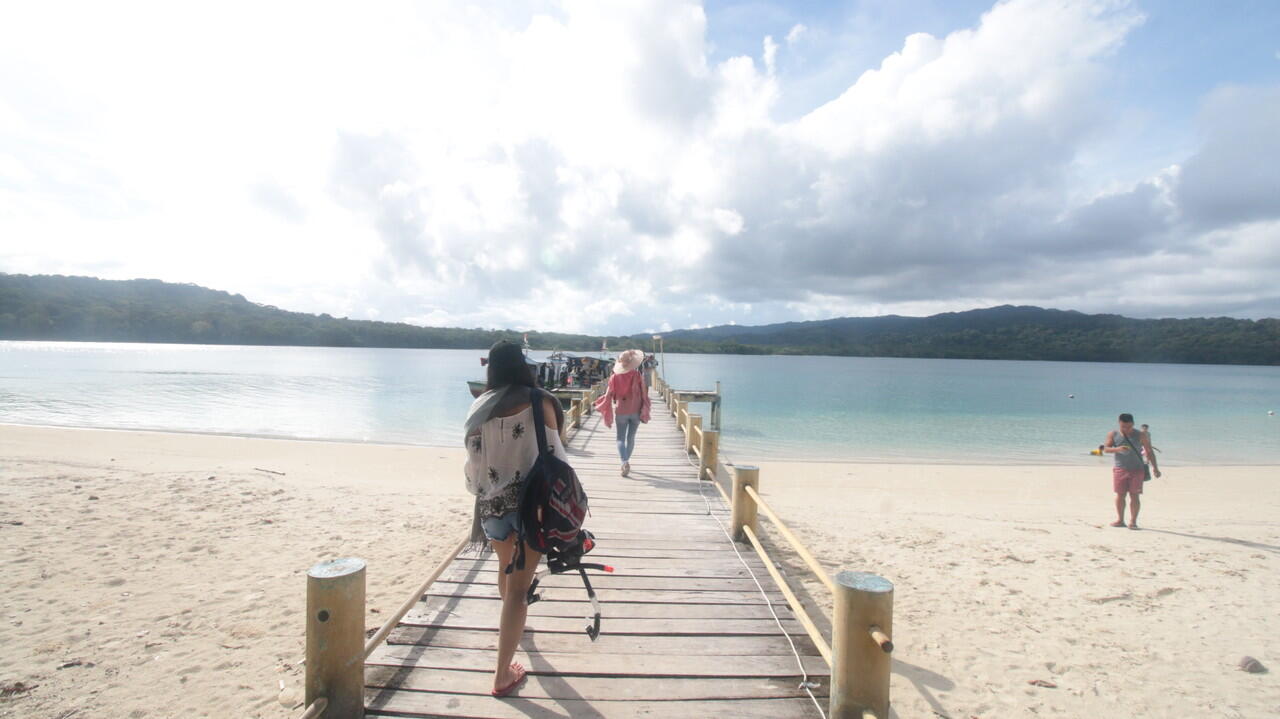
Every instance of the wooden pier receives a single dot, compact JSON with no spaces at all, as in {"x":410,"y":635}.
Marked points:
{"x":688,"y":628}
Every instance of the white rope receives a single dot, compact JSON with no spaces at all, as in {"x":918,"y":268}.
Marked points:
{"x":805,"y":684}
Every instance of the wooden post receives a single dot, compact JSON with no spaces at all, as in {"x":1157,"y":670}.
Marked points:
{"x":710,"y":454}
{"x":743,"y":506}
{"x":715,"y":408}
{"x":859,"y":658}
{"x":576,"y":412}
{"x":335,"y":637}
{"x":695,"y":422}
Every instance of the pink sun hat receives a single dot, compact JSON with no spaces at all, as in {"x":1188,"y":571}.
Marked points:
{"x":628,"y":361}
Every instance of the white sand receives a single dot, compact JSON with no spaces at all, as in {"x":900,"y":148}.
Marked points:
{"x":183,"y":583}
{"x":1004,"y":575}
{"x":182,"y":586}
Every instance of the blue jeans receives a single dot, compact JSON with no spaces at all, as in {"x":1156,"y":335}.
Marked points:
{"x":627,"y":425}
{"x":499,"y":528}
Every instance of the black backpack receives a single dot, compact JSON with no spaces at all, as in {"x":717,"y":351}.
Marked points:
{"x":553,"y":505}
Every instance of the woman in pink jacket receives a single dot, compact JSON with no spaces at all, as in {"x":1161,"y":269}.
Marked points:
{"x":628,"y":398}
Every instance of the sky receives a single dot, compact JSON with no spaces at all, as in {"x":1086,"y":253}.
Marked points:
{"x":625,"y":167}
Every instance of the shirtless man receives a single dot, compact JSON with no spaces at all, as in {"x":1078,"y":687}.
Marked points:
{"x":1146,"y":429}
{"x":1129,"y":471}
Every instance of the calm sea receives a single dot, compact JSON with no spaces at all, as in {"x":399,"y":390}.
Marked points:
{"x":862,"y":409}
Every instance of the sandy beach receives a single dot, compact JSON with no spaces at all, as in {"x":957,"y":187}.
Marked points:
{"x":1007,"y":575}
{"x":163,"y":575}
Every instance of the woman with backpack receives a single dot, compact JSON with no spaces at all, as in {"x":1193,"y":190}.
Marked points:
{"x":628,"y":399}
{"x":502,"y":447}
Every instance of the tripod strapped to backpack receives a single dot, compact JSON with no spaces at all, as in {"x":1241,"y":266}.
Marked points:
{"x":553,"y":505}
{"x":561,"y":562}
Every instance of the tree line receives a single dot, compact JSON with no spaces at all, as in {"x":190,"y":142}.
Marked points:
{"x":50,"y":307}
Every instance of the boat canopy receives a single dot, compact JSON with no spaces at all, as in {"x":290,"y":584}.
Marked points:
{"x":484,"y":361}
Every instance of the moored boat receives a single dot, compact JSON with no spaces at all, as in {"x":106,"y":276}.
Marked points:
{"x":566,"y":374}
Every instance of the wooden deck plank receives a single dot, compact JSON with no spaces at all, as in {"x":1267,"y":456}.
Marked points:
{"x":590,"y":688}
{"x":428,"y":704}
{"x":621,"y":644}
{"x":570,"y":664}
{"x":604,"y":581}
{"x":705,"y":626}
{"x":560,"y":594}
{"x":469,"y":608}
{"x":703,"y":562}
{"x":632,"y":568}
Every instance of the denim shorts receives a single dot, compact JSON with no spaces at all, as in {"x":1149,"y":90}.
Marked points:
{"x":499,"y":528}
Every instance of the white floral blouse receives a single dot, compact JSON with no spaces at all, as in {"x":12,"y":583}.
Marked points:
{"x":498,"y":458}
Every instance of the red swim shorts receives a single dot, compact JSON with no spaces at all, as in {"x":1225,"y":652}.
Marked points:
{"x":1127,"y":481}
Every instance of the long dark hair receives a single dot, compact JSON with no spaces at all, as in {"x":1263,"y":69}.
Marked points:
{"x":507,"y":366}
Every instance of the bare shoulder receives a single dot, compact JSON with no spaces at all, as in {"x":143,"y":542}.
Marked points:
{"x":549,"y":413}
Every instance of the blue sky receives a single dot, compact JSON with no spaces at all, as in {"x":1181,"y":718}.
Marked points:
{"x":644,"y":164}
{"x":1182,"y":51}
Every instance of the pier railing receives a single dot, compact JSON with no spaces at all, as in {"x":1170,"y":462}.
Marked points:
{"x":862,"y":621}
{"x":579,"y":408}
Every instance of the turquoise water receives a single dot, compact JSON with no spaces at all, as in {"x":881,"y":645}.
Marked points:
{"x":862,"y":409}
{"x":985,"y":410}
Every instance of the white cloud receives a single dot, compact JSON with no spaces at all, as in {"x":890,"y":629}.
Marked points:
{"x":796,"y":33}
{"x":583,"y":166}
{"x":770,"y":54}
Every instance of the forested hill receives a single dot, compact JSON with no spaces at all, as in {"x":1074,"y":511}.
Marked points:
{"x":53,"y":307}
{"x":1007,"y":332}
{"x":88,"y":309}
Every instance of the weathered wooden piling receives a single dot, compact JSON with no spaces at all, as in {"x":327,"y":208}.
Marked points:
{"x":693,"y":434}
{"x":742,"y":507}
{"x":862,"y":627}
{"x":709,"y":457}
{"x":335,"y":637}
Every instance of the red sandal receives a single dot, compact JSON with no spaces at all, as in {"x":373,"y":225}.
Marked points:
{"x":511,"y":686}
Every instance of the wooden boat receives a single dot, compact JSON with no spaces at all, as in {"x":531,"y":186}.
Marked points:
{"x":567,"y":375}
{"x":477,"y":385}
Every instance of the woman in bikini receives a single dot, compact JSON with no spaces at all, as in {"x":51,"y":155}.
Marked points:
{"x":502,"y":446}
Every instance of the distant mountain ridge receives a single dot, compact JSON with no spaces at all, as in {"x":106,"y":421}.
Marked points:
{"x":991,"y":318}
{"x":54,"y":307}
{"x":1009,"y":332}
{"x":970,"y":319}
{"x":87,"y":309}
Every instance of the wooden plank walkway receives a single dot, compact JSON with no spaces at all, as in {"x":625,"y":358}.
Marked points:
{"x":685,"y":632}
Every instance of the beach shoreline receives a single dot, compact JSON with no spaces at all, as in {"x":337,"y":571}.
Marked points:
{"x":1084,"y":460}
{"x":156,"y":574}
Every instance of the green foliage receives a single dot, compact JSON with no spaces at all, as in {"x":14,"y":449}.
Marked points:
{"x":1016,"y":333}
{"x":88,"y":309}
{"x":93,"y":310}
